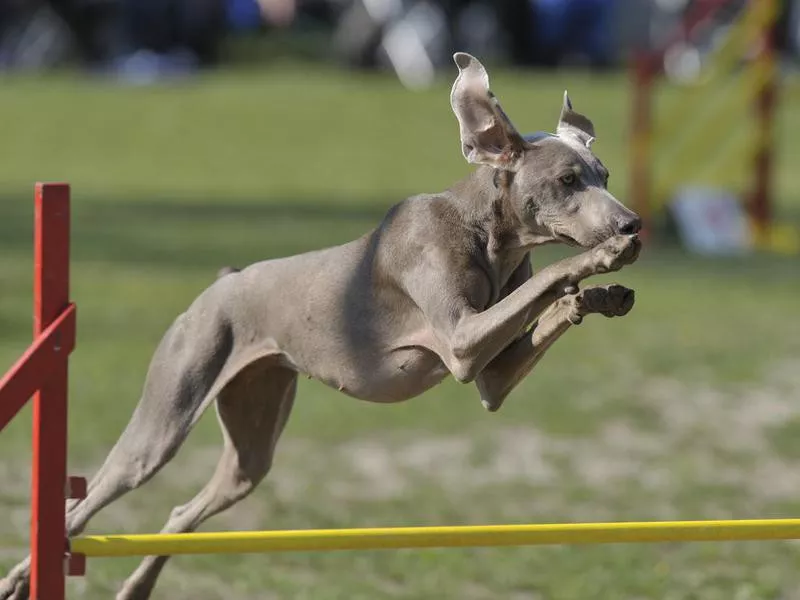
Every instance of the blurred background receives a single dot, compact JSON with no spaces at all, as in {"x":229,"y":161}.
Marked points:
{"x":204,"y":133}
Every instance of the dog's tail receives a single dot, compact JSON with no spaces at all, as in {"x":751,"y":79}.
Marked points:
{"x":226,"y":271}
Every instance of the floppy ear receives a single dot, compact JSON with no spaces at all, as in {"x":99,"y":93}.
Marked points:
{"x":487,"y":135}
{"x":575,"y":124}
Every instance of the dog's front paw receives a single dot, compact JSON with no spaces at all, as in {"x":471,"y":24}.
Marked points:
{"x":610,"y":300}
{"x":616,"y":252}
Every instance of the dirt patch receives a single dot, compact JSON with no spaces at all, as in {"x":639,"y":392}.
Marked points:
{"x":191,"y":585}
{"x":704,"y":435}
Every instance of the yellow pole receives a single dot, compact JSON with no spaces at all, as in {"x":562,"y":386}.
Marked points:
{"x":434,"y":537}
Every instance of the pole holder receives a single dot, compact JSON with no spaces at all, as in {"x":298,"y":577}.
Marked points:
{"x":74,"y":563}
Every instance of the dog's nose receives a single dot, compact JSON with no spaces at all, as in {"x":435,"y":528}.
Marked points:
{"x":630,"y":225}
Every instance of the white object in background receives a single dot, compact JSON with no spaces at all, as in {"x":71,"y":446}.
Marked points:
{"x":711,"y":221}
{"x":411,"y":43}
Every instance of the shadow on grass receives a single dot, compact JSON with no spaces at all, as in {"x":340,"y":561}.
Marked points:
{"x":197,"y":232}
{"x":211,"y":232}
{"x":14,"y":329}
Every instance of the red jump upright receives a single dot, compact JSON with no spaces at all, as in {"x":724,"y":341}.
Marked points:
{"x":41,"y":372}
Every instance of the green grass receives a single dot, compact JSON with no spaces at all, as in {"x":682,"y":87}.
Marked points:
{"x":686,"y":408}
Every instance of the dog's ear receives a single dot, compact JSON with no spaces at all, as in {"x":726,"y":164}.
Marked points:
{"x":575,"y":124}
{"x":487,"y":135}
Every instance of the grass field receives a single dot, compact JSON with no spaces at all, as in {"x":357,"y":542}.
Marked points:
{"x":687,"y":408}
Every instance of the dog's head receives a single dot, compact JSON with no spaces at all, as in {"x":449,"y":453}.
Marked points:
{"x":556,"y":185}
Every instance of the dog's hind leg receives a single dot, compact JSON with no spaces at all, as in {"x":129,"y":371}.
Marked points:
{"x":183,"y":370}
{"x":252,"y":409}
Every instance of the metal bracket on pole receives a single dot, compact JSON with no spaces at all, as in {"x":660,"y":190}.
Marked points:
{"x":75,"y":563}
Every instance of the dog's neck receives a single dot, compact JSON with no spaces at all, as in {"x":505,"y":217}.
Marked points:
{"x":483,"y":200}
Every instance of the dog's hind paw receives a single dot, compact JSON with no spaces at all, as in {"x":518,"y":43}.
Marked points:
{"x":14,"y":588}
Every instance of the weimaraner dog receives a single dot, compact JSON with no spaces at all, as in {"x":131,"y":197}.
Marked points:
{"x":443,"y":286}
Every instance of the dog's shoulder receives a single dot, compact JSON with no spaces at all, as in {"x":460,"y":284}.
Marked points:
{"x":430,"y":225}
{"x":425,"y":215}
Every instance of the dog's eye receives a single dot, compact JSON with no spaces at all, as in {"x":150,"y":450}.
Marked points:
{"x":567,"y":179}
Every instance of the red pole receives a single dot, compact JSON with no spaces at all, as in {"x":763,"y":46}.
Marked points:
{"x":46,"y":352}
{"x":640,"y":138}
{"x":760,"y":206}
{"x":49,"y":480}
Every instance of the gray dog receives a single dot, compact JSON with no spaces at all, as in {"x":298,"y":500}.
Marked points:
{"x":442,"y":286}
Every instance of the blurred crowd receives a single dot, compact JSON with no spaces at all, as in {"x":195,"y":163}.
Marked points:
{"x":142,"y":40}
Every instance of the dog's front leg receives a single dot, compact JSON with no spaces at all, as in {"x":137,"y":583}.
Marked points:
{"x":514,"y":363}
{"x":473,"y":339}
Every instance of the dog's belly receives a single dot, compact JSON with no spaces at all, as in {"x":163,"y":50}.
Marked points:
{"x":401,"y":374}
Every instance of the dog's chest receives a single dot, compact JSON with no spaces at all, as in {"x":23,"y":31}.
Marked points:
{"x":409,"y":372}
{"x":505,"y":274}
{"x":419,"y":364}
{"x":380,"y":373}
{"x":395,"y":374}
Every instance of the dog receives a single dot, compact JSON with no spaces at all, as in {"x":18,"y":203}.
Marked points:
{"x":443,"y":286}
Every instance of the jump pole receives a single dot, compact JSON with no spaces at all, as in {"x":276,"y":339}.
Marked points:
{"x":642,"y":138}
{"x":49,"y":476}
{"x":243,"y":542}
{"x":760,"y":206}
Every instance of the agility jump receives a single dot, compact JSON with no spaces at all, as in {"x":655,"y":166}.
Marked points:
{"x":716,"y":130}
